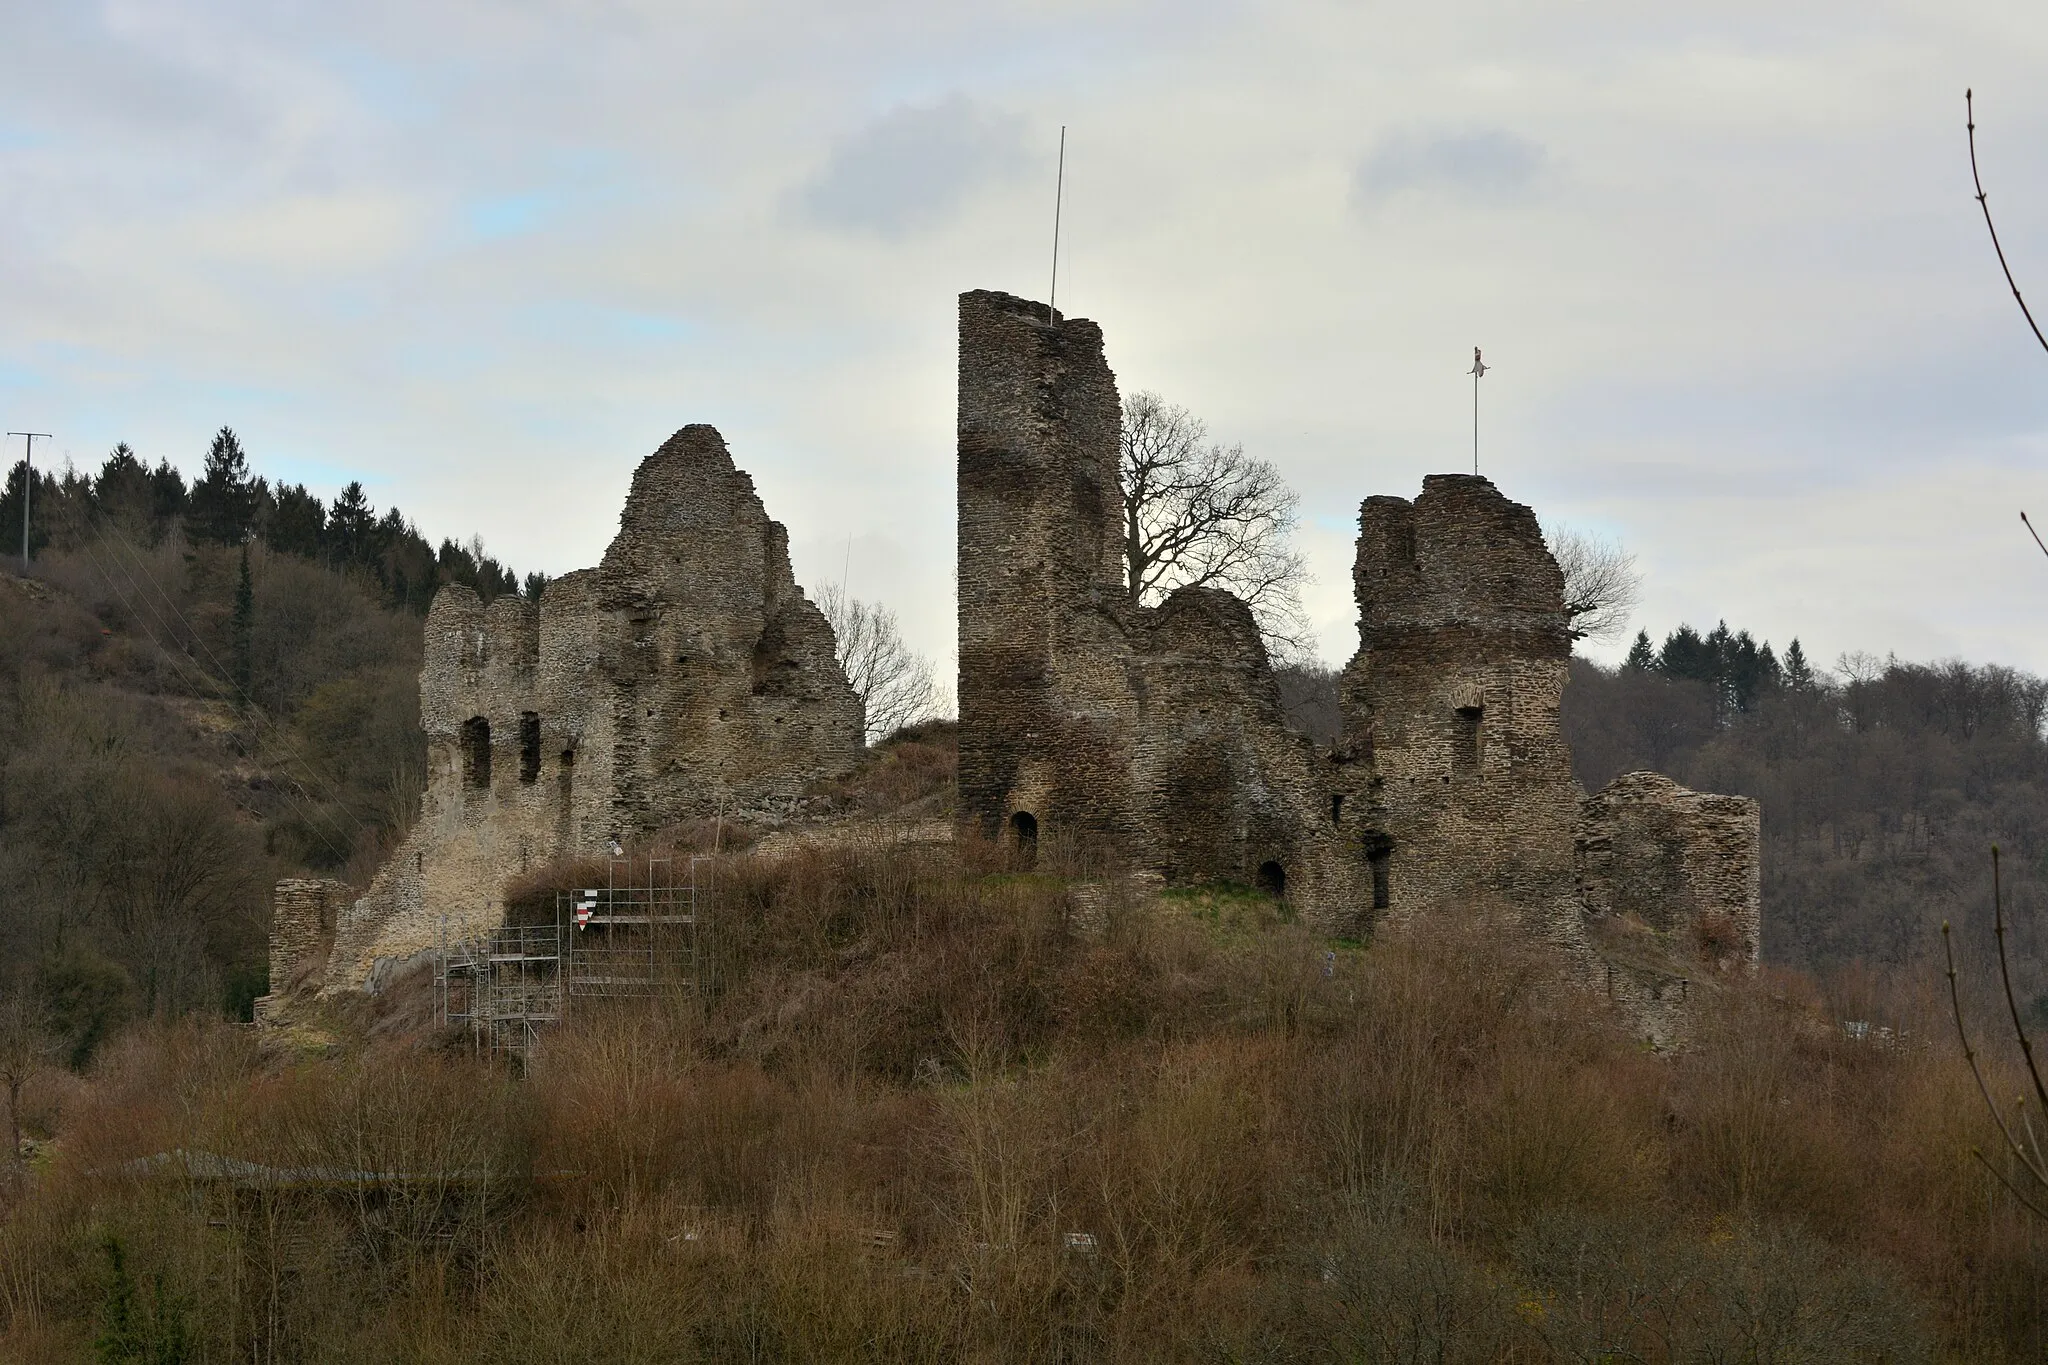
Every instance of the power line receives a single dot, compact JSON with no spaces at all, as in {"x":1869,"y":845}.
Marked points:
{"x":303,"y":813}
{"x":256,"y":716}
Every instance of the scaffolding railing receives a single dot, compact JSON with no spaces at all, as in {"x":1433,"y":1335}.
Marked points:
{"x":634,"y":937}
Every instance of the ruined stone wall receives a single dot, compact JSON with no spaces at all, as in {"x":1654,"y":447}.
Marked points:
{"x":1151,"y":736}
{"x":686,"y":674}
{"x":1157,"y":732}
{"x":303,"y":911}
{"x":1046,"y":702}
{"x":1225,"y":790}
{"x":1686,"y":864}
{"x":1458,"y":767}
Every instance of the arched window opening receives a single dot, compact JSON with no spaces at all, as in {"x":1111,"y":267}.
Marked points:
{"x":1336,"y":807}
{"x":1466,"y":751}
{"x":529,"y":746}
{"x":1024,"y":836}
{"x":476,"y":752}
{"x":1273,"y":879}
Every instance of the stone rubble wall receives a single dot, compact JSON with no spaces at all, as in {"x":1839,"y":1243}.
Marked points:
{"x":685,"y":675}
{"x":303,"y":911}
{"x":1463,"y":655}
{"x":1674,"y":860}
{"x":1044,"y":653}
{"x":1154,"y":736}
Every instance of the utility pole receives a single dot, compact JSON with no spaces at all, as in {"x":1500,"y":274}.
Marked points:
{"x":1478,"y":371}
{"x":1052,"y":317}
{"x":28,"y":483}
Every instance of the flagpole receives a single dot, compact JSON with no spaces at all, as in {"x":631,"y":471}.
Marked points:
{"x":1477,"y":371}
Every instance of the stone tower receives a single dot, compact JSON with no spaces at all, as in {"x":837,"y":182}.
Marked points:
{"x":1043,"y":651}
{"x":1452,"y":701}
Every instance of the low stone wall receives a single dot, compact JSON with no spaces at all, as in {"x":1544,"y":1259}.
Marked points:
{"x":1687,"y":864}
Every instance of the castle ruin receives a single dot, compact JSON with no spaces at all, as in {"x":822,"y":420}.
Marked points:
{"x":685,"y":675}
{"x":1152,"y":736}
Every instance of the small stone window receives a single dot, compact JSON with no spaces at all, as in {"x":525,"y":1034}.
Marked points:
{"x":1024,"y":837}
{"x":529,"y":747}
{"x":1336,"y":807}
{"x":1273,"y":879}
{"x":476,"y":752}
{"x":1468,"y":741}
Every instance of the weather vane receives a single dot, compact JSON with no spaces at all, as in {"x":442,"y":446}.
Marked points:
{"x":1478,"y":370}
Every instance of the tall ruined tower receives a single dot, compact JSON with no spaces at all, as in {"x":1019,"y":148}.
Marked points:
{"x":1463,"y":651}
{"x":1043,"y":651}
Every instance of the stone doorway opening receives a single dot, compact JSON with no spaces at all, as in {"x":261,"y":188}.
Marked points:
{"x":1024,"y":837}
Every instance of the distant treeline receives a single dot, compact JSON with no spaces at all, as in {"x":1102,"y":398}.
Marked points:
{"x":228,"y":505}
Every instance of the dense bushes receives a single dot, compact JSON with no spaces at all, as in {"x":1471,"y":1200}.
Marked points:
{"x":919,"y":1115}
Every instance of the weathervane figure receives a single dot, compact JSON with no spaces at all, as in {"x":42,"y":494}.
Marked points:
{"x":1478,"y":370}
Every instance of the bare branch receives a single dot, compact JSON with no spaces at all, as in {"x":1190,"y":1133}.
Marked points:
{"x":1970,"y":126}
{"x":894,"y":685}
{"x":1198,"y":514}
{"x":2028,"y":1155}
{"x":1601,"y":584}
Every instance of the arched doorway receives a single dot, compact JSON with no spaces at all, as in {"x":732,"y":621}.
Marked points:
{"x":1024,"y":837}
{"x":1273,"y":879}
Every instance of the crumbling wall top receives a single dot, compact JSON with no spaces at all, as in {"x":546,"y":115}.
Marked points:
{"x":1461,"y":555}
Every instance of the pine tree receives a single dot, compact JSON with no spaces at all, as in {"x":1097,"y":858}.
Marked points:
{"x":167,"y":497}
{"x":1642,"y":657}
{"x":1688,"y":655}
{"x":349,"y":524}
{"x":223,"y":501}
{"x":244,"y":625}
{"x":1798,"y":673}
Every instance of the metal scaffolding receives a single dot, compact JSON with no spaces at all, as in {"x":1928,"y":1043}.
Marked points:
{"x":633,"y":937}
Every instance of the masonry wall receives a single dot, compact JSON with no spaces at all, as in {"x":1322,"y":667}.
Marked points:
{"x":1686,"y":864}
{"x":303,"y":911}
{"x":1455,"y":758}
{"x":686,"y":674}
{"x":1046,"y":699}
{"x":1149,"y":737}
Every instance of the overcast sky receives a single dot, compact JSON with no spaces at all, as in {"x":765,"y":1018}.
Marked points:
{"x":487,"y":256}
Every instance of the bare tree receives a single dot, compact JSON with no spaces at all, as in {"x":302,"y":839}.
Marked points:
{"x":1198,"y":514}
{"x":25,"y":1044}
{"x":1601,"y":584}
{"x":895,"y":685}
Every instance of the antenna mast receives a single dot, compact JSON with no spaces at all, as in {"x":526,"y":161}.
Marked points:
{"x":1052,"y":317}
{"x":28,"y":483}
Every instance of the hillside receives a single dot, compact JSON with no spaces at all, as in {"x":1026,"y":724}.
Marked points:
{"x":930,"y":1107}
{"x":200,"y":691}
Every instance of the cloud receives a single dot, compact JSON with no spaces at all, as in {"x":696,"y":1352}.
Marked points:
{"x":1488,"y":166}
{"x":913,"y":167}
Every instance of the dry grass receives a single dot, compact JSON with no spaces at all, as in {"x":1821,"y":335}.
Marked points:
{"x":918,"y":1116}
